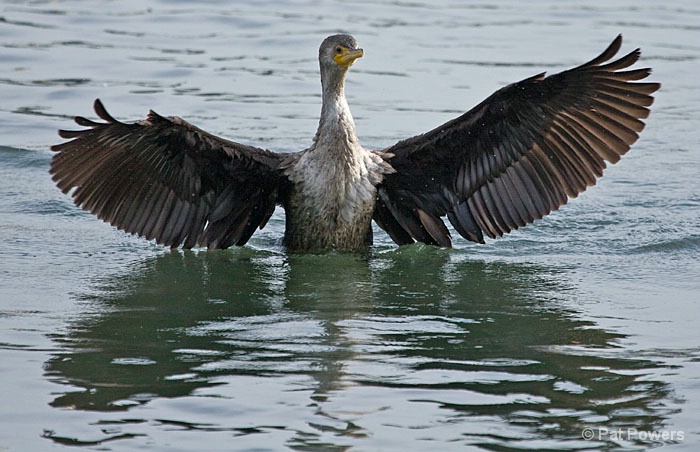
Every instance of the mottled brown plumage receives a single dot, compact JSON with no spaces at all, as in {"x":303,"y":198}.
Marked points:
{"x":512,"y":159}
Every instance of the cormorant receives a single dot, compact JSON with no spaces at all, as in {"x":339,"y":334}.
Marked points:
{"x":512,"y":159}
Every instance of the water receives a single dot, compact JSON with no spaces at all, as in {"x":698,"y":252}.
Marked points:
{"x":584,"y":320}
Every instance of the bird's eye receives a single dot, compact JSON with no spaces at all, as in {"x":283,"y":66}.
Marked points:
{"x":338,"y":49}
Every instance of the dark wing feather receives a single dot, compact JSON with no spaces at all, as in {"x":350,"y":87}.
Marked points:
{"x":518,"y":155}
{"x":165,"y":179}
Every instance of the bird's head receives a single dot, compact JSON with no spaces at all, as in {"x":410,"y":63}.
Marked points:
{"x":339,"y":52}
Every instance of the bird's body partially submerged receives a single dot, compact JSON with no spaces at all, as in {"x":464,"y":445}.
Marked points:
{"x":512,"y":159}
{"x":332,"y":200}
{"x":334,"y":182}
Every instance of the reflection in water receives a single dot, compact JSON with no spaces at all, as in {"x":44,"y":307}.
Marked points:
{"x":414,"y":341}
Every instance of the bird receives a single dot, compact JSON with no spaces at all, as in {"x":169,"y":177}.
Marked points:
{"x":517,"y":156}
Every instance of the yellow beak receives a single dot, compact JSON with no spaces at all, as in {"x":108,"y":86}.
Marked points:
{"x":347,"y":56}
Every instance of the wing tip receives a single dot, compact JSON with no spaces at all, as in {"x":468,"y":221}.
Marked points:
{"x":610,"y":51}
{"x":102,"y":111}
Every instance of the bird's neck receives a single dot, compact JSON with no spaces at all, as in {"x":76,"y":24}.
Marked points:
{"x":336,"y":128}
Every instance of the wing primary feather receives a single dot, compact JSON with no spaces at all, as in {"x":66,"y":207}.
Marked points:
{"x":148,"y":213}
{"x":509,"y":193}
{"x":436,"y":228}
{"x":481,"y":215}
{"x":561,"y":168}
{"x":608,"y":53}
{"x":102,"y":112}
{"x":544,"y":200}
{"x":627,"y":94}
{"x":609,"y":147}
{"x":630,"y":108}
{"x":385,"y":218}
{"x":621,"y":63}
{"x":571,"y":139}
{"x":174,"y":223}
{"x":547,"y":170}
{"x":625,"y":76}
{"x":527,"y":192}
{"x":82,"y":121}
{"x":463,"y":221}
{"x":623,"y":118}
{"x":501,"y":213}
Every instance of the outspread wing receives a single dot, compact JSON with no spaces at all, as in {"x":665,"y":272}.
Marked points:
{"x":165,"y":179}
{"x":518,"y":155}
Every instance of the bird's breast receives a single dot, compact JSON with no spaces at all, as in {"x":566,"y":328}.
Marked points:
{"x":332,"y":200}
